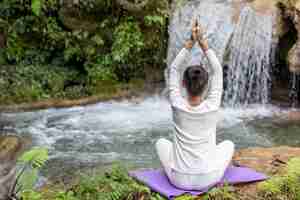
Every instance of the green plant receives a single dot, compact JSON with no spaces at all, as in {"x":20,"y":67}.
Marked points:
{"x":221,"y":193}
{"x":31,"y":195}
{"x":113,"y":185}
{"x":36,"y":6}
{"x":66,"y":196}
{"x":154,"y":20}
{"x":156,"y":196}
{"x":185,"y":197}
{"x":128,"y":41}
{"x":101,"y":70}
{"x":30,"y":162}
{"x":286,"y":186}
{"x":104,"y":43}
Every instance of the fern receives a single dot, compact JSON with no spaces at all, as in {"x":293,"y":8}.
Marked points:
{"x":156,"y":196}
{"x":31,"y":195}
{"x":119,"y":191}
{"x":285,"y":186}
{"x":36,"y":158}
{"x":185,"y":197}
{"x":30,"y":163}
{"x":222,"y":193}
{"x":66,"y":196}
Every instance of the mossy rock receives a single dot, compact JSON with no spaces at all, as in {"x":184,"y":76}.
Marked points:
{"x":10,"y":147}
{"x":75,"y":19}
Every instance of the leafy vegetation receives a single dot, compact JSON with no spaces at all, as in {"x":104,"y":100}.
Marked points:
{"x":114,"y":184}
{"x":81,"y":43}
{"x":285,"y":186}
{"x":222,"y":193}
{"x":30,"y":163}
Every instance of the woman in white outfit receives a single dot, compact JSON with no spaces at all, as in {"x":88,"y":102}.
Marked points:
{"x":193,"y":160}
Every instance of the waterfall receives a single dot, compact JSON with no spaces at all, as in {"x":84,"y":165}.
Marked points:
{"x":294,"y":88}
{"x":244,"y":47}
{"x":214,"y":17}
{"x":250,"y":59}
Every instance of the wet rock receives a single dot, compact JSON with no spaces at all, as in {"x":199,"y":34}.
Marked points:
{"x":267,"y":160}
{"x":10,"y":148}
{"x":292,"y":11}
{"x":294,"y":53}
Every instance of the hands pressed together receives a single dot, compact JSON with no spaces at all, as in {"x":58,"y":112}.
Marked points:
{"x":197,"y":36}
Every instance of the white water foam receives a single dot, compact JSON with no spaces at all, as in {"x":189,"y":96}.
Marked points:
{"x":116,"y":130}
{"x":250,"y":59}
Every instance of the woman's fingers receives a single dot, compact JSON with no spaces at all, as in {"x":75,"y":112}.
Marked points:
{"x":195,"y":23}
{"x":200,"y":32}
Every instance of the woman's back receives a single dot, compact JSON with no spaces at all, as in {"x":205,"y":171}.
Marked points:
{"x":194,"y":138}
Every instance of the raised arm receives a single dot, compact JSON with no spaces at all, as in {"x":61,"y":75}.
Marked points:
{"x":214,"y":96}
{"x":175,"y":97}
{"x":216,"y":85}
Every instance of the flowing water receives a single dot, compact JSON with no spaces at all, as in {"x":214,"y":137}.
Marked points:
{"x":294,"y":88}
{"x":250,"y":59}
{"x":214,"y":16}
{"x":97,"y":135}
{"x":245,"y":46}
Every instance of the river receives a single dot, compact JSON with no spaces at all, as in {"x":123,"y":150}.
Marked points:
{"x":100,"y":134}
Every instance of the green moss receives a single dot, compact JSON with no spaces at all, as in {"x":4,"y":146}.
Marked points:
{"x":285,"y":186}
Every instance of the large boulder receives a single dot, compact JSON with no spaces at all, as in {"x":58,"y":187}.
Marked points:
{"x":286,"y":11}
{"x":292,"y":11}
{"x":294,"y":53}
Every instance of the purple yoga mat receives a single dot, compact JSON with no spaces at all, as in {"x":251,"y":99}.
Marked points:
{"x":158,"y":181}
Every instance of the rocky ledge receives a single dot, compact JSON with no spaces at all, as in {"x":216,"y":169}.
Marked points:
{"x":267,"y":160}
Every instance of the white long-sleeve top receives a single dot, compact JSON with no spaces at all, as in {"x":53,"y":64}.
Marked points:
{"x":194,"y":140}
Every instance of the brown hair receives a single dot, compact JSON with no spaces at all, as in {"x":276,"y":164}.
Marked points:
{"x":196,"y":79}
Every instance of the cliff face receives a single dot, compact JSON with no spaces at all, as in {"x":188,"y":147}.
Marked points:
{"x":287,"y":26}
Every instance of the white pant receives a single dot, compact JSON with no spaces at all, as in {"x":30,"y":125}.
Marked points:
{"x":223,"y":155}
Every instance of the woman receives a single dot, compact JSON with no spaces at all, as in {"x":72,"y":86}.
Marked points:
{"x":193,"y":161}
